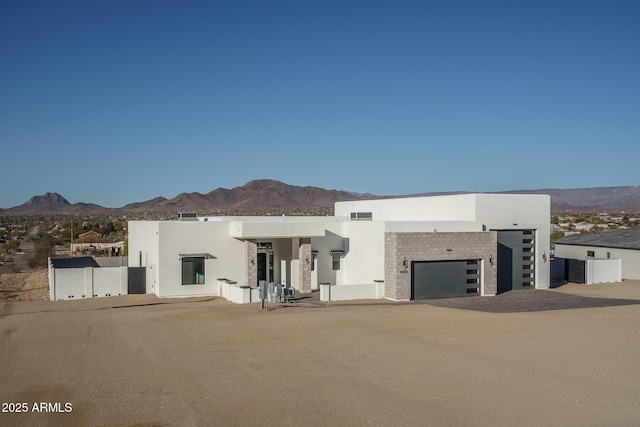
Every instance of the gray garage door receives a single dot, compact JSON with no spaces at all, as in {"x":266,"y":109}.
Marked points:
{"x":445,"y":279}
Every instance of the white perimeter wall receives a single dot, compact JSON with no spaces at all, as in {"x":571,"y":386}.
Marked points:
{"x":89,"y":282}
{"x":630,"y":257}
{"x":603,"y":271}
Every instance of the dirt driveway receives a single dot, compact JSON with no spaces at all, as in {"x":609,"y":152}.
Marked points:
{"x":139,"y":360}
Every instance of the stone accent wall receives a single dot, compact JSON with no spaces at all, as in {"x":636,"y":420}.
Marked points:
{"x":251,"y":262}
{"x":437,"y":247}
{"x":304,"y":253}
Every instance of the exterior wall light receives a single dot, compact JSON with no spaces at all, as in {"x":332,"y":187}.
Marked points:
{"x":544,"y":256}
{"x":491,"y":260}
{"x":405,"y":265}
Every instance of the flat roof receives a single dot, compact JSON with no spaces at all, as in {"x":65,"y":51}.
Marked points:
{"x":76,"y":262}
{"x":620,"y":239}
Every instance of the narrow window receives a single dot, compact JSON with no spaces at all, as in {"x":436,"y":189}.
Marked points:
{"x":314,"y":255}
{"x":335,"y":258}
{"x":193,"y":271}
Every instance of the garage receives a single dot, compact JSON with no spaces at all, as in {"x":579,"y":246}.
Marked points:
{"x":445,"y":279}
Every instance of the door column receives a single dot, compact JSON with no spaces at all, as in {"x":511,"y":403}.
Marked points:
{"x":251,"y":263}
{"x":304,"y":270}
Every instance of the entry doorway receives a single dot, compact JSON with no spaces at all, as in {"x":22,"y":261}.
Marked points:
{"x":262,"y":267}
{"x":265,"y":266}
{"x":516,"y":260}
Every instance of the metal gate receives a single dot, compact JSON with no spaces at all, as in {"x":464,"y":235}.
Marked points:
{"x":137,"y":280}
{"x":574,"y":270}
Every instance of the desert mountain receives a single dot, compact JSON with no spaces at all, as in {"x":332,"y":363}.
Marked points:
{"x":270,"y":196}
{"x":592,"y":200}
{"x":47,"y":200}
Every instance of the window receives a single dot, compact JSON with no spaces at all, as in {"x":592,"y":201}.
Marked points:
{"x":193,"y":271}
{"x":361,"y":216}
{"x":591,"y":254}
{"x":335,"y":260}
{"x":314,"y":255}
{"x":187,"y":216}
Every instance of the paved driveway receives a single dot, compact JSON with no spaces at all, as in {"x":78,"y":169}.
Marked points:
{"x":527,"y":301}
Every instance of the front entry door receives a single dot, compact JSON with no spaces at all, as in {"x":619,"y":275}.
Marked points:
{"x":262,"y":266}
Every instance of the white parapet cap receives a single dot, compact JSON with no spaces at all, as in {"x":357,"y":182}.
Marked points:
{"x":275,"y":227}
{"x":433,"y":226}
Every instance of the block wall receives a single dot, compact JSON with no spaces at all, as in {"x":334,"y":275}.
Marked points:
{"x":437,"y":247}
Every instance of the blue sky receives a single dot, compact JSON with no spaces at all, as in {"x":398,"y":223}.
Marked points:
{"x":113,"y":102}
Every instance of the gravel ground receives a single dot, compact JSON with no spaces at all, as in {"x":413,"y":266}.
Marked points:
{"x":27,"y":286}
{"x":137,"y":360}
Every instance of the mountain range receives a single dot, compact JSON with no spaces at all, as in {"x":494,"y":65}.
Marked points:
{"x":266,"y":195}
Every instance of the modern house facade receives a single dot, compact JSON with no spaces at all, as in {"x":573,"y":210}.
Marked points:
{"x":399,"y":249}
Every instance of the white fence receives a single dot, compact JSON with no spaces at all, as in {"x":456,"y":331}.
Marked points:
{"x":88,"y":282}
{"x":235,"y":293}
{"x":603,"y":271}
{"x":351,"y":292}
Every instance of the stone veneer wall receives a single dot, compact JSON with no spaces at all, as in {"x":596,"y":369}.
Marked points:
{"x":251,"y":262}
{"x":437,"y":247}
{"x":304,"y":270}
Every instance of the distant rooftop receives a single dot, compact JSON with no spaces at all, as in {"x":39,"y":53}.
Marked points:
{"x":621,"y":239}
{"x":78,"y":262}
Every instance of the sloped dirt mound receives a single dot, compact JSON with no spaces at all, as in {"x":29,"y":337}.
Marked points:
{"x":31,"y":286}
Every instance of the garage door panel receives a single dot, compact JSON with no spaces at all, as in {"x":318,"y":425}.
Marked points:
{"x":444,"y":279}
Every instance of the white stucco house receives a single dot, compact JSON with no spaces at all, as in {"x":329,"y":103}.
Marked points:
{"x":399,"y":249}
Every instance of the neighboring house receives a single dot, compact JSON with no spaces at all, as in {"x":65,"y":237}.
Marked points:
{"x":620,"y":244}
{"x":106,"y":248}
{"x":89,"y":234}
{"x":399,"y":249}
